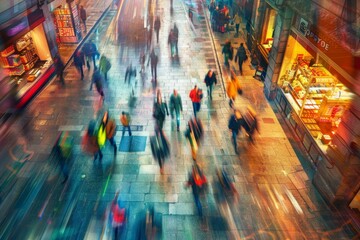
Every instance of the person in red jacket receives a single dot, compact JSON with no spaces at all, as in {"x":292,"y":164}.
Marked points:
{"x":118,"y":217}
{"x":196,"y":96}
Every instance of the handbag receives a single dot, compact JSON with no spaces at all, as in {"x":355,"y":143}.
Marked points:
{"x":101,"y":136}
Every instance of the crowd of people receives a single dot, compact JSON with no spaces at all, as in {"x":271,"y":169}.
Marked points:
{"x":102,"y":130}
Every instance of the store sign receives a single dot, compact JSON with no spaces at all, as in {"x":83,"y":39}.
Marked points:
{"x":310,"y":34}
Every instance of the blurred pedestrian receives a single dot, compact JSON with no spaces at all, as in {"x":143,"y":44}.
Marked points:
{"x":83,"y":16}
{"x":197,"y":181}
{"x":210,"y":80}
{"x":110,"y":127}
{"x":59,"y":69}
{"x":241,"y":56}
{"x":233,"y":88}
{"x":157,"y":25}
{"x":104,"y":66}
{"x":130,"y":73}
{"x":176,"y":36}
{"x":160,"y":110}
{"x":227,"y":51}
{"x":125,"y":121}
{"x":176,"y":106}
{"x":172,"y":42}
{"x":118,"y":214}
{"x":79,"y":62}
{"x":237,"y":20}
{"x":91,"y":52}
{"x":90,"y":141}
{"x":160,"y":147}
{"x":153,"y":60}
{"x":142,"y":60}
{"x":196,"y":96}
{"x":62,"y":150}
{"x":97,"y":78}
{"x":235,"y":123}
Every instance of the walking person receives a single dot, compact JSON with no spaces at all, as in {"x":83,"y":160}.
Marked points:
{"x":79,"y":62}
{"x":157,"y":25}
{"x":233,"y":88}
{"x":97,"y":78}
{"x":110,"y":127}
{"x":118,"y":214}
{"x":227,"y":51}
{"x":210,"y":80}
{"x":90,"y":142}
{"x":130,"y":73}
{"x":237,"y":20}
{"x":153,"y":60}
{"x":83,"y":16}
{"x":241,"y":56}
{"x":125,"y":121}
{"x":196,"y":96}
{"x":176,"y":106}
{"x":172,"y":42}
{"x":91,"y":52}
{"x":160,"y":110}
{"x":104,"y":66}
{"x":176,"y":36}
{"x":235,"y":123}
{"x":197,"y":181}
{"x":59,"y":68}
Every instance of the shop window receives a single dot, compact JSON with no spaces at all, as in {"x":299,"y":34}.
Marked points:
{"x":316,"y":95}
{"x":25,"y":60}
{"x":268,"y":29}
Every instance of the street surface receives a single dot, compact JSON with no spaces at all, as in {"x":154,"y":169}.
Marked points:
{"x":276,"y":197}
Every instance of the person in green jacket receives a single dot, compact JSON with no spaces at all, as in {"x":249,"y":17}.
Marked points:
{"x":176,"y":106}
{"x":104,"y":66}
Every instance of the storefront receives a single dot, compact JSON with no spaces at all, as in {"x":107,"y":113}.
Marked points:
{"x":316,"y":96}
{"x":25,"y":56}
{"x":67,"y":22}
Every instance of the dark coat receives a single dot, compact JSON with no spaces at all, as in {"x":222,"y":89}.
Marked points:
{"x":79,"y":59}
{"x":235,"y":124}
{"x":241,"y":54}
{"x":90,"y":49}
{"x":210,"y":80}
{"x":157,"y":24}
{"x":160,"y":109}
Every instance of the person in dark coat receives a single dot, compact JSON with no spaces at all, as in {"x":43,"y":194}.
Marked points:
{"x":241,"y":56}
{"x":160,"y":110}
{"x":91,"y":52}
{"x":79,"y":62}
{"x":157,"y":25}
{"x":172,"y":42}
{"x":210,"y":80}
{"x":59,"y":68}
{"x":130,"y":73}
{"x":97,"y":78}
{"x":176,"y":106}
{"x":176,"y":36}
{"x":227,"y":51}
{"x":153,"y":59}
{"x":83,"y":16}
{"x":235,"y":123}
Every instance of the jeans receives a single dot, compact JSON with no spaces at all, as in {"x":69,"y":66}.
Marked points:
{"x":240,"y":66}
{"x":123,"y":131}
{"x":196,"y":107}
{"x":234,"y":139}
{"x":81,"y":70}
{"x":98,"y":153}
{"x":177,"y":114}
{"x":237,"y":28}
{"x":153,"y":71}
{"x":210,"y":89}
{"x":112,"y":142}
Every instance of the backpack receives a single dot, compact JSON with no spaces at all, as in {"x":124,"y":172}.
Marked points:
{"x":101,"y":136}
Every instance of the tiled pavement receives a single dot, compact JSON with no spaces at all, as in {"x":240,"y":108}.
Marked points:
{"x":277,"y":199}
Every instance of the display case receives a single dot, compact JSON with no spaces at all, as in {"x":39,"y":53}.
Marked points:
{"x":317,"y":97}
{"x":67,"y":23}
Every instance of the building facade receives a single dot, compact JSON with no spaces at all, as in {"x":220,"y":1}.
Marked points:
{"x":310,"y":51}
